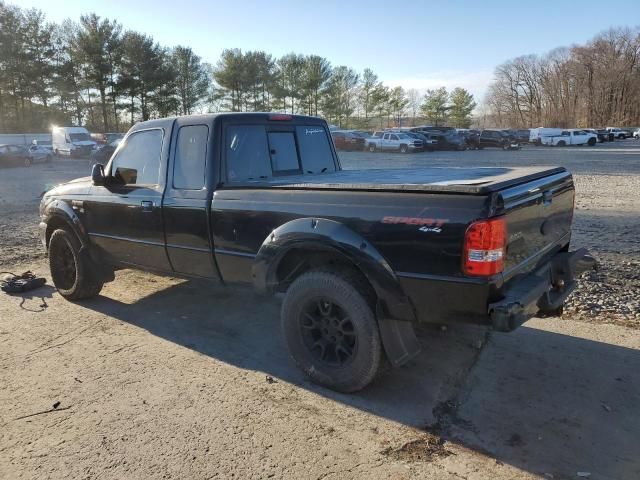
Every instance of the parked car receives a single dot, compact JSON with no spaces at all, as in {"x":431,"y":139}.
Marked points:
{"x":103,"y":152}
{"x":497,"y":139}
{"x":636,"y":133}
{"x":536,"y":134}
{"x":522,"y":135}
{"x":619,"y":133}
{"x":571,"y":137}
{"x":448,"y":140}
{"x":347,"y":140}
{"x":361,"y":256}
{"x":72,"y":141}
{"x":429,"y":144}
{"x":400,"y":142}
{"x":601,"y":135}
{"x":471,"y":137}
{"x":14,"y":155}
{"x":41,"y":151}
{"x":106,"y":138}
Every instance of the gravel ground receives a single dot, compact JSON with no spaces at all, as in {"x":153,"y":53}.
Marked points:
{"x":157,"y":380}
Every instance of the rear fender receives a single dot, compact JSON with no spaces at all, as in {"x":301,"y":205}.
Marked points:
{"x":394,"y":311}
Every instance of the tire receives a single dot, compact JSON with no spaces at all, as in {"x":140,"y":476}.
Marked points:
{"x":71,"y":271}
{"x":372,"y":147}
{"x":27,"y":162}
{"x":561,"y":143}
{"x":404,"y":149}
{"x":48,"y":159}
{"x":331,"y":331}
{"x":591,"y":142}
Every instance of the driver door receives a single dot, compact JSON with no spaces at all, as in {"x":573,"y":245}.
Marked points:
{"x":124,"y":216}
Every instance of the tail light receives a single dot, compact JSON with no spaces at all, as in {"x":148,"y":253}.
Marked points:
{"x":485,"y":247}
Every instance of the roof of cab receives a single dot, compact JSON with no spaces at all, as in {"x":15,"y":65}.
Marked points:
{"x":240,"y":117}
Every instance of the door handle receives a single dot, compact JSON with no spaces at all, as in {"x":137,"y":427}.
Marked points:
{"x":147,"y":205}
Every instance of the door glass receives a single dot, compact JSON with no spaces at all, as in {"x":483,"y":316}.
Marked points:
{"x":138,"y":161}
{"x":191,"y":157}
{"x":284,"y":154}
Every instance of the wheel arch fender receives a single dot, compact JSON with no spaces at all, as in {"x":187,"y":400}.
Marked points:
{"x":58,"y":213}
{"x":394,"y":311}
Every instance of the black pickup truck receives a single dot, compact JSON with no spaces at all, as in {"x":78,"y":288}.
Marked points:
{"x":360,"y":255}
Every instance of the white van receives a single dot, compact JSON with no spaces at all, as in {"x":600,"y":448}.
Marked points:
{"x":536,"y":134}
{"x":71,"y":141}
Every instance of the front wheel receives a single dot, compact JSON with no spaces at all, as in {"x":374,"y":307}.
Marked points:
{"x":591,"y":142}
{"x":27,"y":162}
{"x":331,"y":330}
{"x":70,"y":270}
{"x":403,"y":149}
{"x":372,"y":147}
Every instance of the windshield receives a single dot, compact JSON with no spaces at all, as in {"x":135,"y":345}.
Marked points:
{"x":79,"y":137}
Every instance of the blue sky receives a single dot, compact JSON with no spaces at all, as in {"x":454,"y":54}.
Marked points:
{"x":417,"y":44}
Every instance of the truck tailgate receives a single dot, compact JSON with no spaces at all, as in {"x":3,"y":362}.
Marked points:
{"x":539,"y":215}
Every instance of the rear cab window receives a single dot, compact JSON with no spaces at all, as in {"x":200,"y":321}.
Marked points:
{"x":259,"y":152}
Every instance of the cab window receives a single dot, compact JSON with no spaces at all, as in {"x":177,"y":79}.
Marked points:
{"x":138,"y":160}
{"x":190,"y":158}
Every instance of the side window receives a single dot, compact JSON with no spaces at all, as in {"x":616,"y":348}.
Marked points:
{"x":191,"y":157}
{"x":315,"y":150}
{"x":138,"y":161}
{"x":283,"y":151}
{"x":394,"y":137}
{"x":247,"y":153}
{"x":565,"y":133}
{"x":385,"y":136}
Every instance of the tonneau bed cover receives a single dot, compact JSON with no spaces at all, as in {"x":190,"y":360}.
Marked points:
{"x":466,"y":180}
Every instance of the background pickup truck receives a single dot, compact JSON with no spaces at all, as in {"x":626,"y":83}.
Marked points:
{"x":360,"y":256}
{"x":570,"y":137}
{"x":400,"y":142}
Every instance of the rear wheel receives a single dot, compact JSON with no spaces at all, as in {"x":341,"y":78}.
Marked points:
{"x":372,"y":147}
{"x":331,"y":331}
{"x":71,"y":271}
{"x":562,"y":143}
{"x":27,"y":162}
{"x":48,"y":159}
{"x":592,"y":141}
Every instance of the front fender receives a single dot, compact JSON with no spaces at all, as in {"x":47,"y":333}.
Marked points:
{"x":59,"y":210}
{"x":324,"y":234}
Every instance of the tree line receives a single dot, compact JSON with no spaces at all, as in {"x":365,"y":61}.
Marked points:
{"x":591,"y":85}
{"x":94,"y":72}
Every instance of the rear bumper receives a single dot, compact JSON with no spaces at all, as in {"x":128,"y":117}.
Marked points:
{"x":505,"y":301}
{"x":543,"y":290}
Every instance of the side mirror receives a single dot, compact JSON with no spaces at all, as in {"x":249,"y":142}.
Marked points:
{"x":97,"y":174}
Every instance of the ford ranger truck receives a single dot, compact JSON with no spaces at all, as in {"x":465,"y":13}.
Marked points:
{"x":361,"y":256}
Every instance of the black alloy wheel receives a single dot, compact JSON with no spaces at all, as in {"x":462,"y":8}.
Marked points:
{"x":328,"y":332}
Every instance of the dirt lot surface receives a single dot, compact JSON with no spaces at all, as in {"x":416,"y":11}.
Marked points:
{"x":166,"y":378}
